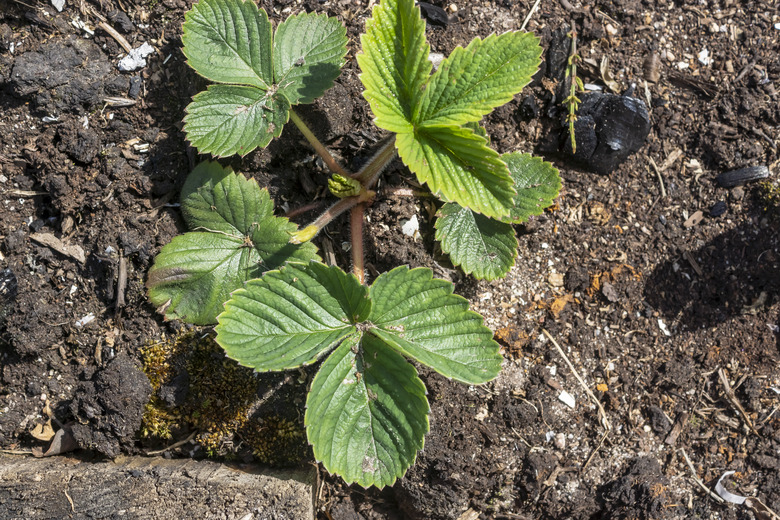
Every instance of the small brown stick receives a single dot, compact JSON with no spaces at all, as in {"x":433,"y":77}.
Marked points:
{"x":744,"y":71}
{"x":593,"y":453}
{"x":530,"y":14}
{"x":602,"y":413}
{"x":115,"y":35}
{"x":175,"y":445}
{"x":724,"y":380}
{"x":660,"y":178}
{"x":697,"y":479}
{"x":121,"y":283}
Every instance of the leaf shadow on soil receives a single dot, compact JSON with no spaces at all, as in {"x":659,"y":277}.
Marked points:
{"x":735,"y":274}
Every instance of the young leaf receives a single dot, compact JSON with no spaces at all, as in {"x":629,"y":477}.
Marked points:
{"x":473,"y":81}
{"x":229,"y":41}
{"x":214,"y":198}
{"x":292,"y":316}
{"x":235,"y":237}
{"x":309,"y":51}
{"x":537,"y":183}
{"x":229,"y":119}
{"x":419,"y":316}
{"x":458,"y":164}
{"x":366,"y":413}
{"x":481,"y":246}
{"x":394,"y":63}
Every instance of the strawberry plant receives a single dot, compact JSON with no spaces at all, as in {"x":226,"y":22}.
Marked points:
{"x":259,"y":277}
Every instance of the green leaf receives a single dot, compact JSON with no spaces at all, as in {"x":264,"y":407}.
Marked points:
{"x":228,"y":119}
{"x":214,"y":198}
{"x":420,"y":317}
{"x":537,"y":183}
{"x":394,"y":63}
{"x":229,"y":41}
{"x":458,"y":164}
{"x":366,"y":413}
{"x":194,"y":274}
{"x":235,"y":238}
{"x":473,"y":81}
{"x":481,"y":246}
{"x":292,"y":316}
{"x":309,"y":51}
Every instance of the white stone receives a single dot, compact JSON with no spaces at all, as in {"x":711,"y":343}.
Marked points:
{"x":136,"y":59}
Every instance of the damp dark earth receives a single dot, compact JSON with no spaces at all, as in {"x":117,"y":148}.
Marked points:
{"x":639,"y":326}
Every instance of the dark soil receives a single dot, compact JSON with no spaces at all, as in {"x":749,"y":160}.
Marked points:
{"x":648,"y":302}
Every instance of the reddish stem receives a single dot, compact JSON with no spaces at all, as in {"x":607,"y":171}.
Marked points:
{"x":303,"y":209}
{"x":356,"y":230}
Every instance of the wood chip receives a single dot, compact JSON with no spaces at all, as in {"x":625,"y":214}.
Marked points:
{"x":694,"y":219}
{"x":679,"y":424}
{"x":70,"y":250}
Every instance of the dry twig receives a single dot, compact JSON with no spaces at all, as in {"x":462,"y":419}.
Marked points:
{"x":660,"y":178}
{"x":115,"y":35}
{"x":697,"y":479}
{"x":174,"y":445}
{"x":724,"y":380}
{"x":530,"y":14}
{"x":602,"y":413}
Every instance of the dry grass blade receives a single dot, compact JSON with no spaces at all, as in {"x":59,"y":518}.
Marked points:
{"x":602,"y":414}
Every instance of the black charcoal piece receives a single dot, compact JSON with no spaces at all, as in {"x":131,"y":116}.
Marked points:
{"x":718,"y":209}
{"x":528,"y":109}
{"x":135,"y":87}
{"x":433,"y":14}
{"x":742,"y":176}
{"x":608,"y":129}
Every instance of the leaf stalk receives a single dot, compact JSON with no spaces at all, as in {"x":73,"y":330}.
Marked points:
{"x":315,"y":143}
{"x":345,"y":204}
{"x":356,"y":232}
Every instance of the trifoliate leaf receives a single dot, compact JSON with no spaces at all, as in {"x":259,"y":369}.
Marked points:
{"x":235,"y":238}
{"x":481,"y":246}
{"x":473,"y":81}
{"x":229,"y":119}
{"x":394,"y":63}
{"x":366,"y":413}
{"x":457,"y":163}
{"x":229,"y":41}
{"x":309,"y":51}
{"x":420,"y":317}
{"x":537,"y":184}
{"x":292,"y":316}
